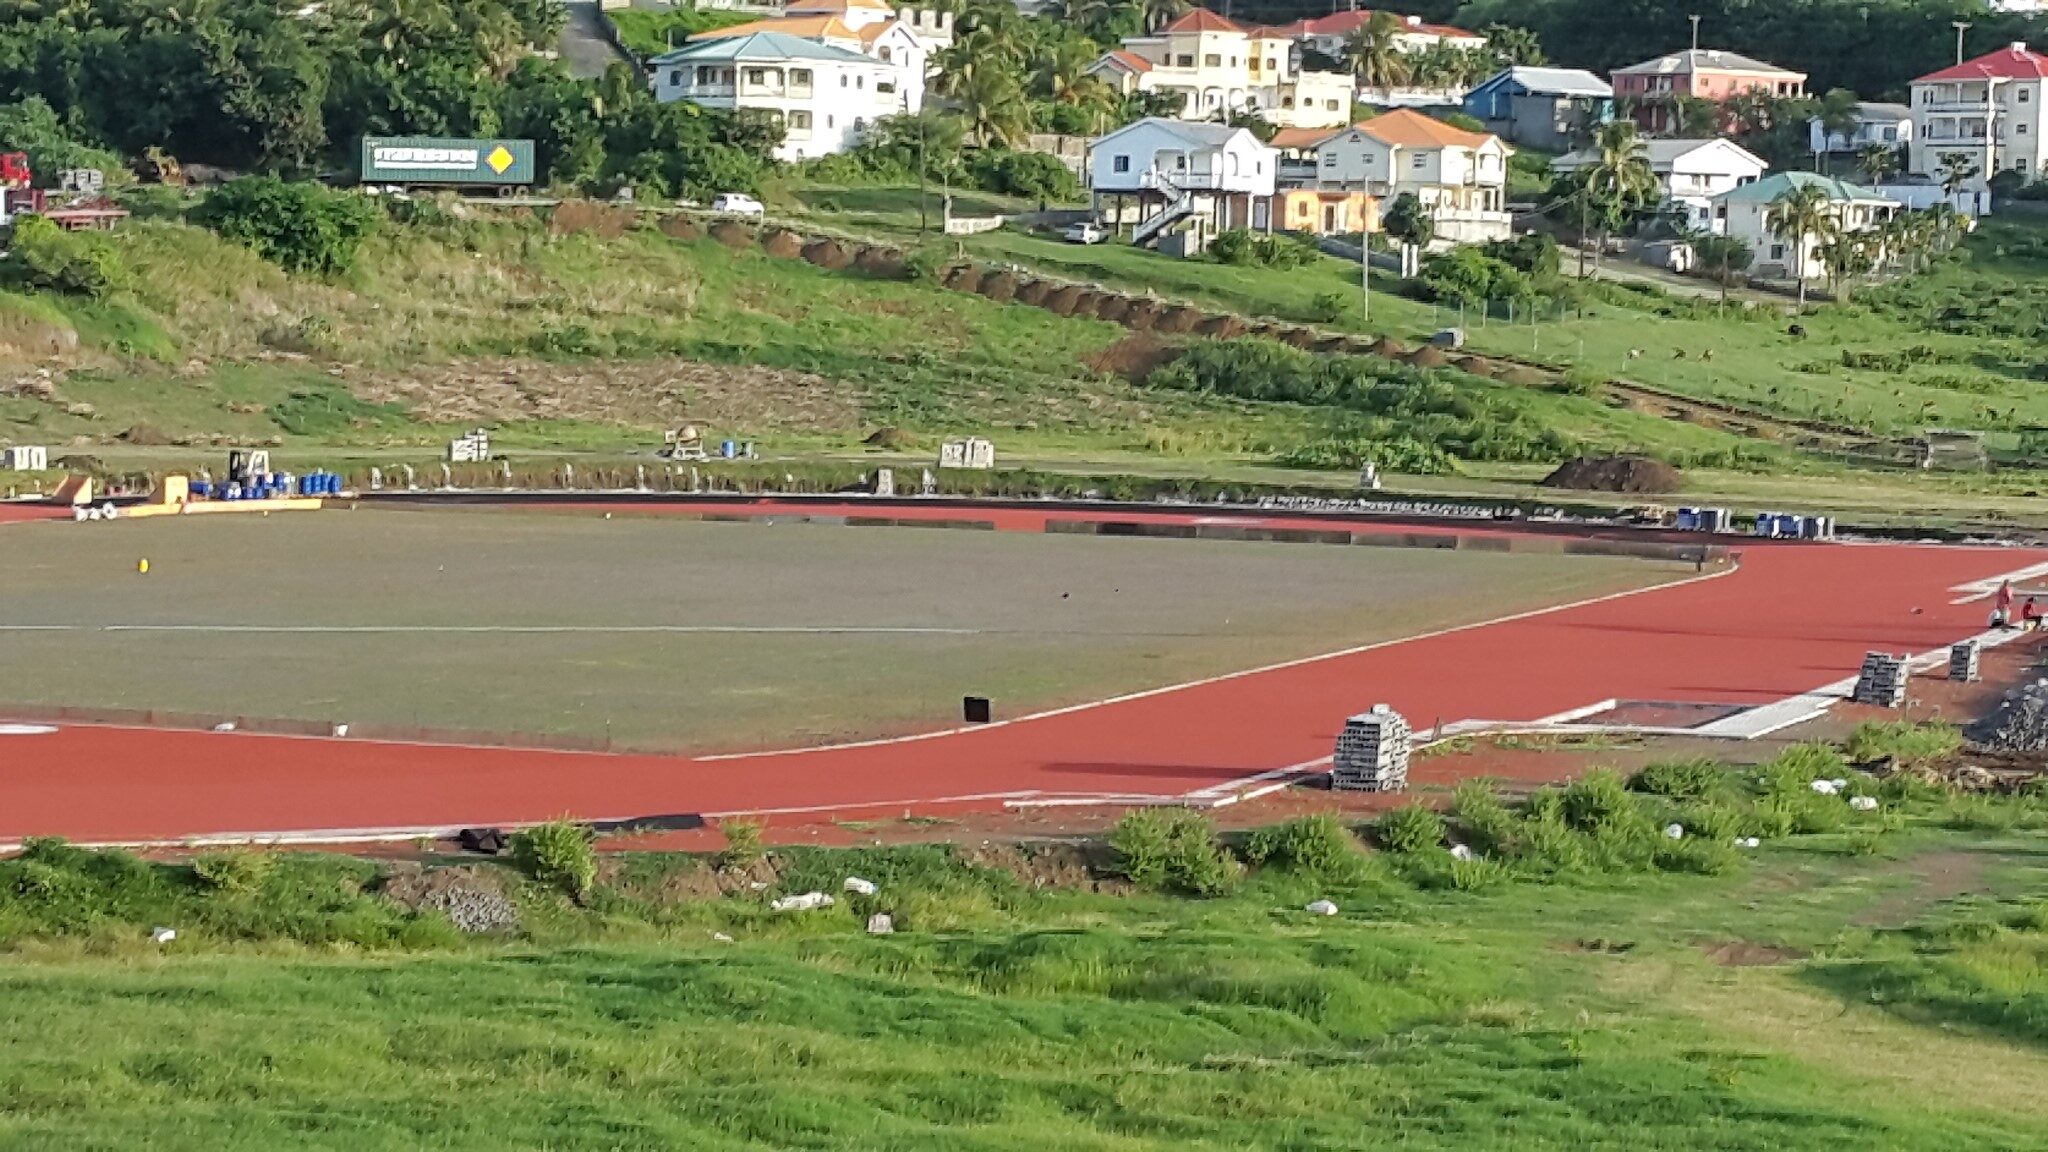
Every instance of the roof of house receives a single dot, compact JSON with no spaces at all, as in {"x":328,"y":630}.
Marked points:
{"x":1129,"y":61}
{"x":1296,"y":139}
{"x":759,"y":46}
{"x":1407,"y":128}
{"x":1660,"y":153}
{"x":2015,"y":61}
{"x":1549,"y":81}
{"x":1345,"y":23}
{"x":869,"y":33}
{"x":1772,"y":187}
{"x":1871,"y":113}
{"x":808,"y":27}
{"x":1193,"y":132}
{"x":1707,"y":60}
{"x":1203,"y":20}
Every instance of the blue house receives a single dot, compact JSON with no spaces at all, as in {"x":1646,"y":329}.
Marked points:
{"x":1544,"y":108}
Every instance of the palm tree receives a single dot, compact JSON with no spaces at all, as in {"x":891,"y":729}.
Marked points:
{"x":1957,"y":169}
{"x":1693,"y":117}
{"x":1617,"y":182}
{"x":1160,"y":13}
{"x":1800,"y":213}
{"x":992,"y":104}
{"x":1877,"y":161}
{"x":1836,"y":112}
{"x":1846,"y":256}
{"x":1512,"y":45}
{"x":1375,"y":56}
{"x":1723,"y":256}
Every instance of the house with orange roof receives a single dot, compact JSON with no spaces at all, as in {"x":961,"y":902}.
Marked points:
{"x":1217,"y":67}
{"x":1460,"y":176}
{"x":904,"y":38}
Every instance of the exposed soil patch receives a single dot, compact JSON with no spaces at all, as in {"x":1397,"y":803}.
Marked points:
{"x":882,"y":263}
{"x":1749,"y":954}
{"x":1938,"y":877}
{"x":962,"y":278}
{"x":1000,"y":287}
{"x":1428,"y":356}
{"x":890,"y":439}
{"x":1134,"y":357}
{"x":1034,"y":292}
{"x":1179,"y":320}
{"x":1622,"y":473}
{"x":646,"y":393}
{"x":1223,"y":327}
{"x":782,"y":244}
{"x":1049,"y":864}
{"x":680,"y":228}
{"x":1389,"y":348}
{"x":1522,"y":377}
{"x":732,"y":235}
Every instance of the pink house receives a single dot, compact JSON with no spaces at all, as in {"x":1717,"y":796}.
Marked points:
{"x":1651,"y":88}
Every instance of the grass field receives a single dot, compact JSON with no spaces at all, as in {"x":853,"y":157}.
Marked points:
{"x":782,"y":634}
{"x":1824,"y":993}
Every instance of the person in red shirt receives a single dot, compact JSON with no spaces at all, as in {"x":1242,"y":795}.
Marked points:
{"x":2001,"y":610}
{"x":2030,"y":615}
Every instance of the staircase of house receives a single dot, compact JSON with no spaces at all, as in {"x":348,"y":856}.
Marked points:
{"x":1180,"y":205}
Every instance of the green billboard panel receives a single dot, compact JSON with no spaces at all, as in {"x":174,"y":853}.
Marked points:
{"x":446,"y":160}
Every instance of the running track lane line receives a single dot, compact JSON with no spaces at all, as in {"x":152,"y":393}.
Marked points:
{"x":1792,"y":616}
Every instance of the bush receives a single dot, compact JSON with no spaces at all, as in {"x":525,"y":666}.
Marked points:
{"x":1904,"y":743}
{"x":45,"y":256}
{"x":1597,"y":799}
{"x":742,"y":843}
{"x":1173,"y":850}
{"x":1477,"y":874}
{"x":1486,"y":822}
{"x":301,"y":227}
{"x":1468,"y":276}
{"x":1318,"y":845}
{"x":1242,"y":246}
{"x":1679,"y":779}
{"x":1025,"y":175}
{"x":557,"y":854}
{"x":1326,"y":308}
{"x":1800,"y":765}
{"x":1410,"y":829}
{"x":238,"y":871}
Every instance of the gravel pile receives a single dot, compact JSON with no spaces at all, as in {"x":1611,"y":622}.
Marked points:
{"x":2021,"y":722}
{"x":473,"y":910}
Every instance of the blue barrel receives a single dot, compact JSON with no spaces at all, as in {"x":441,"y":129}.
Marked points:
{"x":729,"y":450}
{"x":334,"y":484}
{"x":197,"y":488}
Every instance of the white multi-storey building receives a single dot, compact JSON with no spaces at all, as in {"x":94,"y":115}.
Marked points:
{"x":823,"y":94}
{"x":1218,"y":67}
{"x":1992,"y":111}
{"x":1460,"y":176}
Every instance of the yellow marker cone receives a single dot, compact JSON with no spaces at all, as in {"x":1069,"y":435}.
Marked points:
{"x":142,"y":566}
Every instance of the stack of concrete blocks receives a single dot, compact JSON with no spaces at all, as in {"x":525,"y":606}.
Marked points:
{"x":1372,"y":752}
{"x":25,"y":458}
{"x":1791,"y":526}
{"x":973,"y":452}
{"x":1962,"y":662}
{"x":471,"y":449}
{"x":1882,"y":681}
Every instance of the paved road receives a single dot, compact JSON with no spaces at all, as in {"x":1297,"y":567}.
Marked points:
{"x":584,"y":48}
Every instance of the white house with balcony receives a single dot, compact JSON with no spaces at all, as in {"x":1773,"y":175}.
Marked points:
{"x":1217,"y":67}
{"x":1159,"y":174}
{"x":1690,"y":173}
{"x":1889,"y":125}
{"x":1745,"y":213}
{"x":907,"y":37}
{"x":1460,"y":176}
{"x":1991,"y":111}
{"x":824,"y":95}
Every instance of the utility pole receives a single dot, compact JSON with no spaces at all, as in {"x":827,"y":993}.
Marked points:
{"x":1365,"y":270}
{"x":1959,"y":26}
{"x":1695,"y":18}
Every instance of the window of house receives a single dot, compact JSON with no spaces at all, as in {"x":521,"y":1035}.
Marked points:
{"x":884,"y":54}
{"x":1212,"y":60}
{"x":1269,"y":62}
{"x":842,"y":80}
{"x":1418,"y":162}
{"x":1180,"y":163}
{"x":860,"y":81}
{"x":1184,"y":61}
{"x":1233,"y":61}
{"x":800,"y":121}
{"x":1329,"y":159}
{"x":1120,"y":164}
{"x":885,"y":87}
{"x":675,"y":77}
{"x":2026,"y":94}
{"x":2020,"y":128}
{"x":757,"y":76}
{"x":1330,"y":104}
{"x":1777,"y":251}
{"x":1287,"y":101}
{"x":828,"y":122}
{"x":800,"y":76}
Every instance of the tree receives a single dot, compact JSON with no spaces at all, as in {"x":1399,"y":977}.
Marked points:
{"x":991,"y":102}
{"x":1723,"y":257}
{"x":1957,"y":169}
{"x":301,"y":227}
{"x":1877,"y":161}
{"x":1800,"y":214}
{"x":1159,"y":13}
{"x":1616,"y":184}
{"x":1407,"y":221}
{"x":1510,"y":44}
{"x":1846,"y":256}
{"x":1836,"y":112}
{"x":1374,"y":54}
{"x":1693,"y":117}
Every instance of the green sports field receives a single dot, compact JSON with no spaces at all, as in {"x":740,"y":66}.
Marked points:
{"x":665,"y":633}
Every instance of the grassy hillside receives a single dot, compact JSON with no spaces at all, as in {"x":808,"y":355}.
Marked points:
{"x":1831,"y":988}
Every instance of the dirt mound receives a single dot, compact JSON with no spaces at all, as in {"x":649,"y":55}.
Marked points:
{"x":1086,"y":867}
{"x":1034,"y":292}
{"x":1391,"y":349}
{"x":830,"y":255}
{"x":473,"y":898}
{"x":1476,"y":365}
{"x":962,"y":278}
{"x":1522,"y":376}
{"x":1303,"y":338}
{"x":572,"y":217}
{"x":1614,"y":474}
{"x":1000,"y":287}
{"x":146,"y":434}
{"x":1333,"y":344}
{"x":1427,"y":356}
{"x":732,"y":234}
{"x":1063,"y":300}
{"x":782,"y":244}
{"x":1749,"y":954}
{"x":1115,"y":309}
{"x":1134,"y":357}
{"x":680,"y":228}
{"x":1179,"y":320}
{"x":891,"y":438}
{"x":1223,"y":327}
{"x":881,"y":262}
{"x":1144,"y":314}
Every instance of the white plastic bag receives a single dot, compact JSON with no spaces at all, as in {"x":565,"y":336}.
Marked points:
{"x":1322,"y":908}
{"x":803,"y":903}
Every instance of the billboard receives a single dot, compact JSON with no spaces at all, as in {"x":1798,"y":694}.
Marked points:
{"x":444,"y":160}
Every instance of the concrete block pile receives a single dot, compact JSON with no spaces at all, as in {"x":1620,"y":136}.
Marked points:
{"x":1963,"y":662}
{"x":1372,"y":752}
{"x":1882,"y":681}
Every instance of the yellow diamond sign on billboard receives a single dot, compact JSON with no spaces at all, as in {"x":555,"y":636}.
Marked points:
{"x":500,"y":159}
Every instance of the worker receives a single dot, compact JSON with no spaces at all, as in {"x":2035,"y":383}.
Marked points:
{"x":2030,"y":615}
{"x":2001,"y":610}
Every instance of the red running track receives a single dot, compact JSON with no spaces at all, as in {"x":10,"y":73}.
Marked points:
{"x":1789,"y":619}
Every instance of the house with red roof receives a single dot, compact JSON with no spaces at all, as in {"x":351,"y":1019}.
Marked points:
{"x":1983,"y":116}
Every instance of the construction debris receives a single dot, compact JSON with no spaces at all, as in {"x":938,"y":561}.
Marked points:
{"x":881,"y":924}
{"x":859,"y":886}
{"x":2020,"y":724}
{"x":1372,"y":752}
{"x":803,"y":903}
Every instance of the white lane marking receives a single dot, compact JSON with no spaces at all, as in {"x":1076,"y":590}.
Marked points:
{"x":509,"y":629}
{"x":1984,"y":589}
{"x":1205,"y":681}
{"x":25,"y":729}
